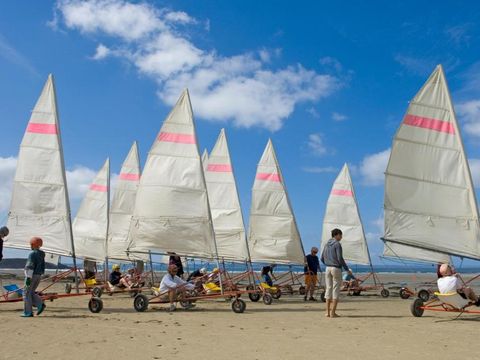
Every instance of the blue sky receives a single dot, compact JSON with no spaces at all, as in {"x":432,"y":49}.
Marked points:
{"x":328,"y":82}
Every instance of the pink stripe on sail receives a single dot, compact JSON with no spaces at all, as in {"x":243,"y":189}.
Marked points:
{"x":219,"y":168}
{"x":42,"y":128}
{"x":269,"y":177}
{"x":428,"y":123}
{"x":176,"y":138}
{"x":96,"y":187}
{"x":129,"y":177}
{"x":339,"y":192}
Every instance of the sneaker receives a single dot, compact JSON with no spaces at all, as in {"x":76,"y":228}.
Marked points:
{"x":189,"y":306}
{"x":305,"y":298}
{"x":27,"y":315}
{"x":312,"y":298}
{"x":172,"y":307}
{"x":41,"y":308}
{"x":156,"y":291}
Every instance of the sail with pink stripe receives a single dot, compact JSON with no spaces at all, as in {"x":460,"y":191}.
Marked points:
{"x":429,"y":196}
{"x":342,"y":213}
{"x":171,"y":212}
{"x":90,"y":227}
{"x":225,"y":203}
{"x":39,"y":204}
{"x":273,"y":233}
{"x":121,"y":207}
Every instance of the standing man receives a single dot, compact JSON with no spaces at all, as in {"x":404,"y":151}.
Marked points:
{"x":332,"y":257}
{"x":3,"y":233}
{"x":311,"y":269}
{"x":34,"y":269}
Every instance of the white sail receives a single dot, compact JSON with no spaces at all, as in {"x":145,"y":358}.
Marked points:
{"x":342,"y":213}
{"x":39,"y":205}
{"x":171,"y":209}
{"x":273,"y":233}
{"x":404,"y":252}
{"x":429,"y":197}
{"x":90,"y":227}
{"x":224,"y":203}
{"x":205,"y":160}
{"x":121,"y":208}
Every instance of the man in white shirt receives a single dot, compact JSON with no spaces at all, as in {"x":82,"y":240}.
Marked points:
{"x":174,"y":286}
{"x":450,"y":283}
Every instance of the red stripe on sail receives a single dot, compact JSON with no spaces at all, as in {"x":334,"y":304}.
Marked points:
{"x":219,"y":168}
{"x":177,"y":138}
{"x":96,"y":187}
{"x":268,"y":177}
{"x":428,"y":123}
{"x":339,"y":192}
{"x":129,"y":177}
{"x":37,"y":128}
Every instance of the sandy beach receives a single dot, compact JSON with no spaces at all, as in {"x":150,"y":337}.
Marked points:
{"x":370,"y":327}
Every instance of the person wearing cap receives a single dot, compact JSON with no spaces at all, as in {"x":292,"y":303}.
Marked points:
{"x":310,"y":270}
{"x":117,"y":279}
{"x":449,"y":282}
{"x":174,"y":287}
{"x":34,"y":269}
{"x":332,"y":257}
{"x":174,"y":259}
{"x":197,"y":274}
{"x":3,"y":233}
{"x":267,"y":274}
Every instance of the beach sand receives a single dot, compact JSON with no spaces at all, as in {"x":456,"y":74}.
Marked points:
{"x":370,"y":327}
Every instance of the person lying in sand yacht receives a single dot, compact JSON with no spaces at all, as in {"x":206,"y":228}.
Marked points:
{"x":450,"y":283}
{"x":174,"y":287}
{"x":117,"y":279}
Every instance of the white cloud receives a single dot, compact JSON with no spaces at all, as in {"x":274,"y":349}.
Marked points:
{"x":331,"y":62}
{"x":316,"y":145}
{"x":101,"y":52}
{"x":372,"y":168}
{"x":78,"y":181}
{"x":7,"y":173}
{"x":239,"y":88}
{"x":339,"y":117}
{"x":320,"y":170}
{"x":459,"y":34}
{"x":10,"y":54}
{"x":469,"y":112}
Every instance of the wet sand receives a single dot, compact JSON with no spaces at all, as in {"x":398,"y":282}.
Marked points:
{"x":370,"y":327}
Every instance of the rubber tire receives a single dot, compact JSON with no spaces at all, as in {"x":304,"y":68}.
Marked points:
{"x":267,"y":299}
{"x":277,"y":294}
{"x":254,"y":297}
{"x":140,"y":303}
{"x":301,"y":290}
{"x":415,"y":307}
{"x":356,"y":292}
{"x":384,"y":293}
{"x":238,"y":306}
{"x":133,"y":293}
{"x":424,"y":295}
{"x":322,"y":296}
{"x":95,"y":305}
{"x":68,"y":288}
{"x":97,"y":292}
{"x":404,"y":294}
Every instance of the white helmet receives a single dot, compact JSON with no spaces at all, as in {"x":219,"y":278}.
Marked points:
{"x":203,"y":270}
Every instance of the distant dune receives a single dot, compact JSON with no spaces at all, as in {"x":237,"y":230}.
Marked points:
{"x":17,"y":263}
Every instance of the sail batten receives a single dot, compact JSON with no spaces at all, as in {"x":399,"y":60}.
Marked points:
{"x":429,"y":196}
{"x":40,"y":204}
{"x":342,"y":213}
{"x":273,"y":232}
{"x":171,"y":212}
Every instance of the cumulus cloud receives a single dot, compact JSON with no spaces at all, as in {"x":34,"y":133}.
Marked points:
{"x":316,"y":145}
{"x":372,"y":168}
{"x":320,"y":170}
{"x":339,"y":117}
{"x":239,"y":88}
{"x":469,"y":113}
{"x":101,"y":53}
{"x":475,"y":170}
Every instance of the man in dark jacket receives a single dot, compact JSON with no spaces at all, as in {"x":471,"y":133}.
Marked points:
{"x":3,"y":233}
{"x":332,"y":257}
{"x":311,"y":269}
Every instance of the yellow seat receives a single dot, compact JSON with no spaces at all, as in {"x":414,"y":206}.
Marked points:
{"x":265,"y":286}
{"x":452,"y":299}
{"x":90,"y":282}
{"x":210,"y":286}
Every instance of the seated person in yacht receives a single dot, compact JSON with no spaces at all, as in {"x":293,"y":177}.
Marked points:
{"x":450,"y":283}
{"x":117,"y":279}
{"x":349,"y":280}
{"x":174,"y":287}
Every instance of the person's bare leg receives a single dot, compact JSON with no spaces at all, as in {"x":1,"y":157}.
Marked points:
{"x":327,"y":314}
{"x":470,"y":294}
{"x":333,"y":313}
{"x":171,"y":296}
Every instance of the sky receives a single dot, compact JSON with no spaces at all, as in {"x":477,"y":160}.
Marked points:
{"x":328,"y":82}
